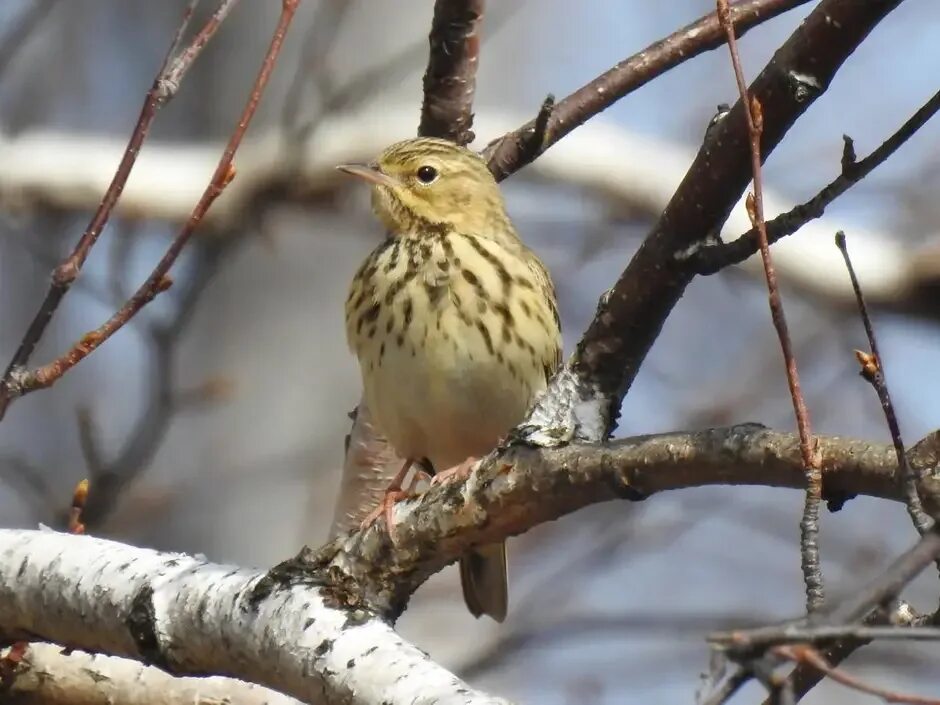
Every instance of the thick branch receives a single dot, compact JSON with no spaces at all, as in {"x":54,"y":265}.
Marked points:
{"x":520,"y":487}
{"x":307,"y":627}
{"x":584,"y":399}
{"x":190,"y":617}
{"x":47,"y":676}
{"x":450,"y":79}
{"x":512,"y":151}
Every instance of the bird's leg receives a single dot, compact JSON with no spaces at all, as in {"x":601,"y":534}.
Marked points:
{"x":458,"y":472}
{"x":419,"y":475}
{"x":393,"y":493}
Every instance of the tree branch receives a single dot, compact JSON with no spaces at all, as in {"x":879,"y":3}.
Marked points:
{"x":19,"y":381}
{"x":519,"y":487}
{"x":583,"y":400}
{"x":48,"y":676}
{"x":754,"y":203}
{"x":512,"y":151}
{"x":714,"y":258}
{"x":313,"y":616}
{"x":15,"y":376}
{"x":450,"y":79}
{"x":190,"y":617}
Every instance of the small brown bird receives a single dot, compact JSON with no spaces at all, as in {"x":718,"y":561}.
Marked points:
{"x":454,"y":322}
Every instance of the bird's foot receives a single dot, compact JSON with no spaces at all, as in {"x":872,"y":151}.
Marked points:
{"x":393,"y":495}
{"x":458,"y":472}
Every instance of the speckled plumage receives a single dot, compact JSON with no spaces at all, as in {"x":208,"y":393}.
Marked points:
{"x":453,"y":320}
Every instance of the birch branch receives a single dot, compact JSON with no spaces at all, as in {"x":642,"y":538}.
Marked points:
{"x":312,"y":627}
{"x":191,"y":617}
{"x":47,"y":676}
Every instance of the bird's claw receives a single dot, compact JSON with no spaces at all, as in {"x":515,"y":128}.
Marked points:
{"x":458,"y":472}
{"x":386,"y":507}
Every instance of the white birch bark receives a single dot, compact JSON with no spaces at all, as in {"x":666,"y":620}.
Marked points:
{"x":192,"y":617}
{"x":49,"y":676}
{"x":632,"y":172}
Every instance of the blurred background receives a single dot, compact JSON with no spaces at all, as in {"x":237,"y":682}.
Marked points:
{"x":215,"y":422}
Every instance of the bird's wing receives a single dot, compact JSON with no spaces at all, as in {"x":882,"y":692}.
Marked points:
{"x":551,"y":359}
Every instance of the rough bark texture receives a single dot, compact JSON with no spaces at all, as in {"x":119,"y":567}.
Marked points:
{"x":311,"y":627}
{"x":520,"y":487}
{"x":191,"y":617}
{"x":49,"y":676}
{"x":584,"y":402}
{"x":450,"y":79}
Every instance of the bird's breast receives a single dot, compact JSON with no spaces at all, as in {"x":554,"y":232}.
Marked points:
{"x":453,"y":338}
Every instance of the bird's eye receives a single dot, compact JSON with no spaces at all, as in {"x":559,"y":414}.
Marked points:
{"x":426,"y":174}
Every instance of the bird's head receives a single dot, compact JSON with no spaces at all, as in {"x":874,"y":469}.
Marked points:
{"x":431,"y":183}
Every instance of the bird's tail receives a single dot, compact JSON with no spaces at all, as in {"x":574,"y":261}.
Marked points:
{"x":484,"y":581}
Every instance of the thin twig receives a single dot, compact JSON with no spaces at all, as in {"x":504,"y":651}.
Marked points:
{"x":804,"y":633}
{"x":853,"y":613}
{"x":809,"y":526}
{"x":889,"y":584}
{"x":806,"y":654}
{"x":873,"y":372}
{"x":173,"y":72}
{"x":804,"y":678}
{"x":860,"y":607}
{"x":714,"y":258}
{"x":159,"y":280}
{"x":65,"y":273}
{"x":507,"y":154}
{"x":450,"y":79}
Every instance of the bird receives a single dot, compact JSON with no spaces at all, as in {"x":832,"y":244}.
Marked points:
{"x":455,"y":324}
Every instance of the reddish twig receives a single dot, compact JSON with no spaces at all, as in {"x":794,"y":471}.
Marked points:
{"x":509,"y":153}
{"x":806,"y":654}
{"x":159,"y":281}
{"x":79,"y":498}
{"x":873,"y":372}
{"x":585,"y":397}
{"x":16,"y":380}
{"x":450,"y":79}
{"x":809,"y":526}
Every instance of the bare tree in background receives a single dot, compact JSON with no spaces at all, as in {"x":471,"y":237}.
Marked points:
{"x":218,"y":402}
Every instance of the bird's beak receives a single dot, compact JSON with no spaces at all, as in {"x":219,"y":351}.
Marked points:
{"x":368,"y":173}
